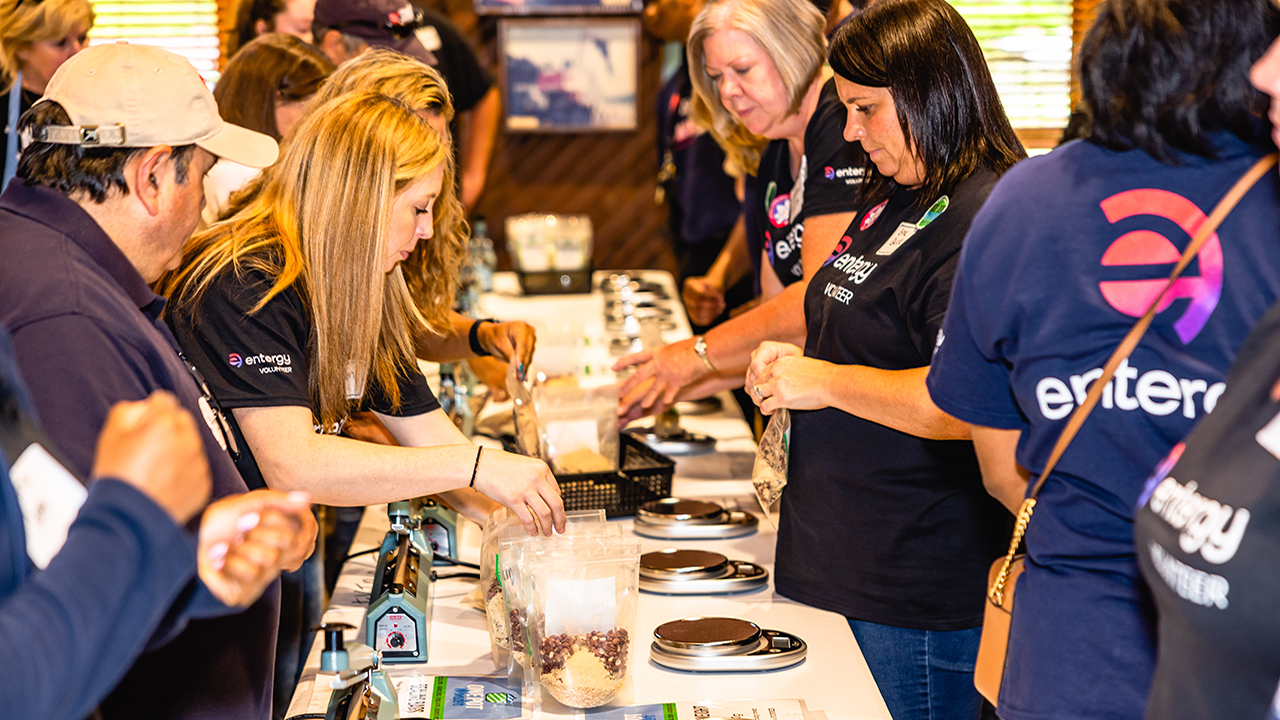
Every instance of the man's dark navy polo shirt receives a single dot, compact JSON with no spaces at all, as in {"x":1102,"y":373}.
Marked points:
{"x":88,"y":334}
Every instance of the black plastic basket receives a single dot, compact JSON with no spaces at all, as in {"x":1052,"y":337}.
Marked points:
{"x":645,"y":476}
{"x":555,"y":282}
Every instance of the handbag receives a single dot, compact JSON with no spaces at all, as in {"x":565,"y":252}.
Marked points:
{"x":1002,"y":579}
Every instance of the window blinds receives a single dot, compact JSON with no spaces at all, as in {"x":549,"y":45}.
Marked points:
{"x":186,"y":27}
{"x":1027,"y":44}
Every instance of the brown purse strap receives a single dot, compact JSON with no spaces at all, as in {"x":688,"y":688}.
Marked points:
{"x":1130,"y":341}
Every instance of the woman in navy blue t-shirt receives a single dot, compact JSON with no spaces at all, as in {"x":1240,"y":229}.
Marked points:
{"x":885,"y":520}
{"x":1068,"y":251}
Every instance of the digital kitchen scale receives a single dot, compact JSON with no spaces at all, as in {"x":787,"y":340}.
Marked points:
{"x":698,"y":572}
{"x":721,"y":644}
{"x":676,"y":519}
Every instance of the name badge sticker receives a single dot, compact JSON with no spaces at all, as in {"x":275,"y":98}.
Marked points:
{"x":899,"y":236}
{"x":50,"y":497}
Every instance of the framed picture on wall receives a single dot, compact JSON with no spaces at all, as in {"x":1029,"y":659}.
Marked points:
{"x":558,"y":7}
{"x":564,"y":75}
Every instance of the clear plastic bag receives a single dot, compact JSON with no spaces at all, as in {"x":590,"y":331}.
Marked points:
{"x":769,"y":476}
{"x":507,"y":612}
{"x":495,"y":609}
{"x":578,"y":427}
{"x":524,"y":414}
{"x":582,"y":598}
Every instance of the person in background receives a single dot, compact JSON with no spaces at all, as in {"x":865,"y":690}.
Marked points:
{"x":264,"y":88}
{"x":107,"y":193}
{"x":703,"y":208}
{"x":756,"y":67}
{"x":346,"y":28}
{"x":1048,"y":284}
{"x":87,"y":589}
{"x":1205,"y":533}
{"x":35,"y":39}
{"x":886,"y":520}
{"x":259,"y":17}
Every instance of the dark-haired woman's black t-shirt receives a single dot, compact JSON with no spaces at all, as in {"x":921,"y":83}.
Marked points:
{"x":879,"y":525}
{"x":1207,"y":536}
{"x":261,"y":359}
{"x":828,"y":182}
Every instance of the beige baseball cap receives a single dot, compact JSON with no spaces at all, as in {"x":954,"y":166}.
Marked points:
{"x":124,"y":95}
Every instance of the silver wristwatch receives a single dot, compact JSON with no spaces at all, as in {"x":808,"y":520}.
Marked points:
{"x":700,"y":347}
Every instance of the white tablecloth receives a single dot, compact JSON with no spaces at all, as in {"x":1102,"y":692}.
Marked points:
{"x":833,"y":680}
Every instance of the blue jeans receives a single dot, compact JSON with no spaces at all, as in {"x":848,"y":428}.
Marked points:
{"x":922,"y":674}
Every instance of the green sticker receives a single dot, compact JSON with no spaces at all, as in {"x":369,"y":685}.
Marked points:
{"x":438,"y":696}
{"x":769,"y":194}
{"x":669,"y":711}
{"x":934,"y":211}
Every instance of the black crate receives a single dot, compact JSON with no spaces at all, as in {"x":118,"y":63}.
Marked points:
{"x":645,"y":476}
{"x":555,"y":282}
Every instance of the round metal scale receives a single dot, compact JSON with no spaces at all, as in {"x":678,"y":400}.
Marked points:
{"x":621,"y":310}
{"x":702,"y":406}
{"x":677,"y":442}
{"x":676,"y":519}
{"x":620,"y":325}
{"x":698,"y":572}
{"x":618,"y":283}
{"x":721,"y":644}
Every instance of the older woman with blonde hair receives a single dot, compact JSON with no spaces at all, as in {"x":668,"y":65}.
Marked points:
{"x":756,"y":67}
{"x":35,"y":39}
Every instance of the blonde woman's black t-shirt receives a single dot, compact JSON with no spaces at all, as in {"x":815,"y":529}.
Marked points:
{"x":829,"y":184}
{"x":1207,"y":534}
{"x":879,"y":525}
{"x":262,"y":359}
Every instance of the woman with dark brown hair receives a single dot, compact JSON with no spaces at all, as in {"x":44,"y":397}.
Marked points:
{"x":1070,"y":249}
{"x":885,"y":520}
{"x":264,"y":88}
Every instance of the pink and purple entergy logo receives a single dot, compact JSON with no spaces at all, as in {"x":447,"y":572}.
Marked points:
{"x":840,"y":248}
{"x":829,"y":172}
{"x":1147,"y":247}
{"x":872,"y":215}
{"x":235,"y":359}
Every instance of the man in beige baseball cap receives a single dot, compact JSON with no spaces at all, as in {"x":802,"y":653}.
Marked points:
{"x":108,"y":190}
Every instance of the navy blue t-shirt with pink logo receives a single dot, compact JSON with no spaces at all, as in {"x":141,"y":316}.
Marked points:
{"x":1066,"y":254}
{"x":829,"y":181}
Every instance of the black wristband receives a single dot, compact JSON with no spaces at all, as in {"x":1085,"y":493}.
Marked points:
{"x":476,"y":469}
{"x":473,"y":336}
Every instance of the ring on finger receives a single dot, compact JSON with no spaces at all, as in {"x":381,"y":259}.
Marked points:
{"x":756,"y":389}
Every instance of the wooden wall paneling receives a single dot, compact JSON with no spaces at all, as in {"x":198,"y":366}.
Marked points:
{"x":226,"y":26}
{"x":1082,"y":14}
{"x":609,"y":176}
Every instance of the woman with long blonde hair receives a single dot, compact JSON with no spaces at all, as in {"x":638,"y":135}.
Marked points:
{"x":297,"y":313}
{"x":756,"y":68}
{"x":431,"y":271}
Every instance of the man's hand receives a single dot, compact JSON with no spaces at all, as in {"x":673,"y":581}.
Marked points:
{"x":703,"y":299}
{"x":246,"y":540}
{"x":670,"y":368}
{"x":512,"y":342}
{"x":154,"y":445}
